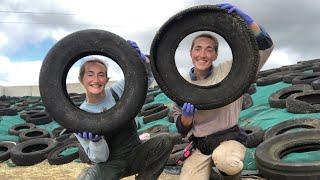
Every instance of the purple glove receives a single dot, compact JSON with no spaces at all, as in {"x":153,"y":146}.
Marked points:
{"x":90,"y":136}
{"x":231,"y":8}
{"x":188,"y":110}
{"x":135,"y":46}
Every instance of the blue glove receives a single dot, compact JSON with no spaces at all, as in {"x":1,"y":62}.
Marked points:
{"x":231,"y":8}
{"x":135,"y":46}
{"x":188,"y":110}
{"x":90,"y":136}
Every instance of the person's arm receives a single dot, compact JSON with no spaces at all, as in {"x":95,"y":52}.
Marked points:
{"x":96,"y":148}
{"x":264,"y":41}
{"x":184,"y":117}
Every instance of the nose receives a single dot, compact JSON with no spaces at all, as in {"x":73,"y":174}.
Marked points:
{"x":95,"y":78}
{"x":202,"y":53}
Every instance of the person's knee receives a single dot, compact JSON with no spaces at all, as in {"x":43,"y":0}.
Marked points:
{"x":229,"y":156}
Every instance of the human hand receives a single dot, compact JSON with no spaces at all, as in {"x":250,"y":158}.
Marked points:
{"x":135,"y":46}
{"x":231,"y":8}
{"x":90,"y":136}
{"x":188,"y":110}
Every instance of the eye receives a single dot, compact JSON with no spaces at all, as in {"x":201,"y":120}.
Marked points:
{"x":101,"y":75}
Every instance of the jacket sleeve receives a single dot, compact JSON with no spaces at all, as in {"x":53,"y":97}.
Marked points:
{"x":265,"y":45}
{"x":97,"y":151}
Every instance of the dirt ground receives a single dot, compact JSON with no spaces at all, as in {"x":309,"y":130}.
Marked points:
{"x":45,"y":171}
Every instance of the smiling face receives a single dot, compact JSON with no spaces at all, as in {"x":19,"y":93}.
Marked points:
{"x":203,"y":53}
{"x":94,"y":78}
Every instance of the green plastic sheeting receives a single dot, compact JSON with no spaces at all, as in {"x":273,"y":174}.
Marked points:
{"x":260,"y":114}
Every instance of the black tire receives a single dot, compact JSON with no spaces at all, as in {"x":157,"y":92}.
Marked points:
{"x":306,"y":79}
{"x":8,"y":112}
{"x":18,"y":128}
{"x":278,"y":98}
{"x":83,"y":156}
{"x":176,"y":153}
{"x":252,"y":89}
{"x":205,"y":18}
{"x":63,"y":137}
{"x":266,"y":73}
{"x":33,"y":133}
{"x":5,"y":149}
{"x":151,"y":108}
{"x":54,"y":157}
{"x":316,"y":84}
{"x":305,"y":102}
{"x":254,"y":136}
{"x":264,"y":81}
{"x":290,"y":124}
{"x":247,"y":101}
{"x":32,"y":152}
{"x":64,"y":54}
{"x":157,"y":115}
{"x":28,"y":113}
{"x":60,"y":131}
{"x":172,"y":161}
{"x":39,"y":118}
{"x":289,"y":77}
{"x":269,"y":153}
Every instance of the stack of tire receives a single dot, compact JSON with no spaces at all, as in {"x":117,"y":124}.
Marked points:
{"x":153,"y":112}
{"x":281,"y":140}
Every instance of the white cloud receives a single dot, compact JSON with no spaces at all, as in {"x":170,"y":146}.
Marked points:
{"x":3,"y":40}
{"x":19,"y":73}
{"x":280,"y":57}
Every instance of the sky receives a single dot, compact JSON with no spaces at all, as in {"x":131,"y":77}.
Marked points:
{"x":29,"y":28}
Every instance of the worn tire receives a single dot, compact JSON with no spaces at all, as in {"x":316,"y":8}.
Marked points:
{"x":151,"y":108}
{"x":254,"y":136}
{"x":278,"y":98}
{"x":289,"y":77}
{"x":247,"y":101}
{"x":316,"y":84}
{"x":32,"y":152}
{"x":54,"y":157}
{"x":306,"y":79}
{"x":18,"y":128}
{"x":264,"y":81}
{"x":28,"y":113}
{"x":33,"y":133}
{"x":205,"y":18}
{"x":57,"y":63}
{"x":291,"y":124}
{"x":5,"y":149}
{"x":39,"y":118}
{"x":269,"y":153}
{"x":304,"y":102}
{"x":157,"y":115}
{"x":252,"y":89}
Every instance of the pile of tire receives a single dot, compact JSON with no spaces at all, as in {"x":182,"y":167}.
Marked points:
{"x":280,"y":141}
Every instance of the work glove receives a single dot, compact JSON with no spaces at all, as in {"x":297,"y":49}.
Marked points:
{"x":231,"y":8}
{"x":188,"y":110}
{"x":135,"y":46}
{"x":89,"y":136}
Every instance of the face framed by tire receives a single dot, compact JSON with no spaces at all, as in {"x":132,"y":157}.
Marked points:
{"x":67,"y":51}
{"x":205,"y":18}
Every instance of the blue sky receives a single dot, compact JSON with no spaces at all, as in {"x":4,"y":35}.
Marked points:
{"x":30,"y":51}
{"x":29,"y":28}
